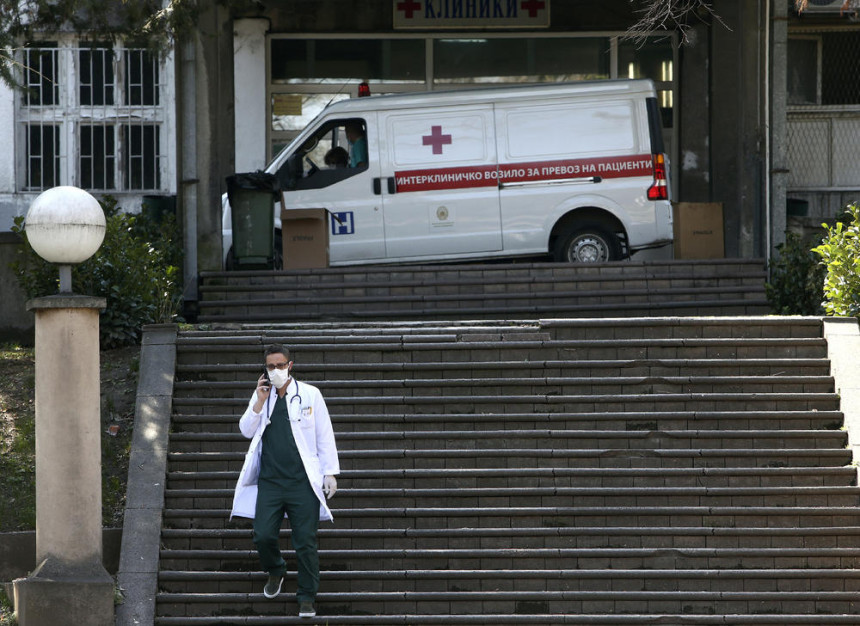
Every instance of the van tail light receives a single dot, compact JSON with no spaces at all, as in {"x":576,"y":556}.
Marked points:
{"x":363,"y":89}
{"x":660,"y":189}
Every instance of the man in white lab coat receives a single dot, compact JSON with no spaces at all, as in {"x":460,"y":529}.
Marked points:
{"x":289,"y":470}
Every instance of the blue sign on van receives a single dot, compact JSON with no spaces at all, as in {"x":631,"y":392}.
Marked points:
{"x":342,"y":223}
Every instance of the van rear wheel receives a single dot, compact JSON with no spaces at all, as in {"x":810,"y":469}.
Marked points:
{"x":587,"y":243}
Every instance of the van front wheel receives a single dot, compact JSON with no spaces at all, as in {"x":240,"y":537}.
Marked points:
{"x":587,"y":243}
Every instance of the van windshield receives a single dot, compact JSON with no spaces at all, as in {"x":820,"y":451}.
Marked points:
{"x":336,"y":145}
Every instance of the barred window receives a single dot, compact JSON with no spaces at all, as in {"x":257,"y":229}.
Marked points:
{"x":91,"y":116}
{"x":43,"y":156}
{"x":141,"y":154}
{"x":96,"y":76}
{"x":42,"y":80}
{"x":98,"y":157}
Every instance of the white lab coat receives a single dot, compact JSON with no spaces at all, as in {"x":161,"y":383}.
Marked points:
{"x":314,"y":437}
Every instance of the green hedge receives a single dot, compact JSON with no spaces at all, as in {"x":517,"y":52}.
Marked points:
{"x":840,"y":255}
{"x":137,"y":270}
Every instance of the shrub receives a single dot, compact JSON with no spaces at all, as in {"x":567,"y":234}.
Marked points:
{"x":137,"y":271}
{"x":840,"y":254}
{"x":796,"y":285}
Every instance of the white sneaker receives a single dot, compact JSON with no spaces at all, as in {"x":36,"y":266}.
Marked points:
{"x":306,"y":609}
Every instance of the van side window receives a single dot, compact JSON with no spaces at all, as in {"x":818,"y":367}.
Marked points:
{"x":335,"y":152}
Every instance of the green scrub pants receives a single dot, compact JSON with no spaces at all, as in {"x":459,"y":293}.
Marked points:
{"x":298,"y":500}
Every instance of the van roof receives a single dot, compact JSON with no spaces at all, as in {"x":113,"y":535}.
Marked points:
{"x":493,"y":94}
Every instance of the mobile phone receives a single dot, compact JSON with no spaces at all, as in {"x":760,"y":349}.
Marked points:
{"x":266,"y":375}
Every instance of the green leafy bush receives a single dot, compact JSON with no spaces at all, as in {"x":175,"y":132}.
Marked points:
{"x":840,"y":254}
{"x":796,"y":285}
{"x":137,"y":270}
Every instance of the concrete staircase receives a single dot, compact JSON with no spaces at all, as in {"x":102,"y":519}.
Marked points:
{"x":487,"y":291}
{"x":593,"y":471}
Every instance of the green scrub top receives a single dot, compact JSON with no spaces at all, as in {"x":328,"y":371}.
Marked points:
{"x":280,"y":457}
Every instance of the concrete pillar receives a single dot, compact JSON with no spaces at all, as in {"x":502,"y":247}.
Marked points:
{"x":779,"y":123}
{"x":694,"y":123}
{"x":249,"y":93}
{"x":205,"y":141}
{"x":69,"y":585}
{"x":737,"y":133}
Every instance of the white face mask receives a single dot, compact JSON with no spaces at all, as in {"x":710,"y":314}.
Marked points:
{"x":279,"y":378}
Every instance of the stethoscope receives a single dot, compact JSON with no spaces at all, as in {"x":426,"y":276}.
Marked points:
{"x":295,"y":396}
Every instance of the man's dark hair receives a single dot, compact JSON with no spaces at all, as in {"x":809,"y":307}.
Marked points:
{"x":276,"y":348}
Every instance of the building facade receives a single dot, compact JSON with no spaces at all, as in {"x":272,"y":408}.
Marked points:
{"x":760,"y":108}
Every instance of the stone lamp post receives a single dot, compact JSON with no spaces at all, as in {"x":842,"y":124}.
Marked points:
{"x":66,"y":225}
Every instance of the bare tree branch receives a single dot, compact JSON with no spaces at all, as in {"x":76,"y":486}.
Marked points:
{"x":671,"y":15}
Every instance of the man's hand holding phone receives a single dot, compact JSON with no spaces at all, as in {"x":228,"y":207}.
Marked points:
{"x":263,"y":387}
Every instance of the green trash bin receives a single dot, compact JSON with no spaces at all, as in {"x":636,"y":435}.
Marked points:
{"x":252,"y":199}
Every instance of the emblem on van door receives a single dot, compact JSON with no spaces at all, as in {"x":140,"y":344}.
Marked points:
{"x":343,"y":223}
{"x":442,"y":213}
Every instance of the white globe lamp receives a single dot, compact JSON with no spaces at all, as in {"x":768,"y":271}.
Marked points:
{"x":66,"y":226}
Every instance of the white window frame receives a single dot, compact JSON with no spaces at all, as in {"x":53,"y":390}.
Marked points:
{"x":71,"y":116}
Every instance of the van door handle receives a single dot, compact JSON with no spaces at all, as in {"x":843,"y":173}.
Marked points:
{"x":377,"y":186}
{"x":392,"y":185}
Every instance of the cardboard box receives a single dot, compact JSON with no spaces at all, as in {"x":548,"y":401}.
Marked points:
{"x":698,"y":230}
{"x":304,"y":234}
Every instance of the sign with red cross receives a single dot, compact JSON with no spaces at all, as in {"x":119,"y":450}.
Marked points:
{"x":436,"y":139}
{"x":447,"y":14}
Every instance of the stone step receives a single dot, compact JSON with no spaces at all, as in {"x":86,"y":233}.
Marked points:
{"x":530,"y":457}
{"x":553,"y":476}
{"x":317,"y":372}
{"x":771,"y":579}
{"x":398,"y":404}
{"x":614,"y":420}
{"x":537,"y":438}
{"x":518,"y":385}
{"x":356,"y":497}
{"x":494,"y":272}
{"x":513,"y":602}
{"x":557,"y":328}
{"x":532,"y":614}
{"x":528,"y":537}
{"x":734,"y":300}
{"x":538,"y":558}
{"x":458,"y":351}
{"x":469,"y":278}
{"x":517,"y":516}
{"x":486,"y":290}
{"x":470,"y":290}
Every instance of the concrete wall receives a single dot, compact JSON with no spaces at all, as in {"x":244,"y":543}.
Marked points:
{"x":16,"y":323}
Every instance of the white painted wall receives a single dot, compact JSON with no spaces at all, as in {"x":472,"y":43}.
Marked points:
{"x":7,"y":139}
{"x":843,"y":344}
{"x":249,"y":93}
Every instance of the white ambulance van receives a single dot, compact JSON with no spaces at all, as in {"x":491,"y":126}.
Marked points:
{"x":575,"y":170}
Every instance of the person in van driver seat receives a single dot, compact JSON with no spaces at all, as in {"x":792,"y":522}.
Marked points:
{"x":358,"y":141}
{"x":337,"y":158}
{"x":290,"y":469}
